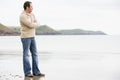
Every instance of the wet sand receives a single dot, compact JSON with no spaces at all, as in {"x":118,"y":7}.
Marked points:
{"x":64,"y":66}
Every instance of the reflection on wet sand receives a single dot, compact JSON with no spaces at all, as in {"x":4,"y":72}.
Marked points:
{"x":34,"y":78}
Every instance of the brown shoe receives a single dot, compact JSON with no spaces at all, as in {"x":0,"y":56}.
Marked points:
{"x":29,"y":75}
{"x":42,"y":75}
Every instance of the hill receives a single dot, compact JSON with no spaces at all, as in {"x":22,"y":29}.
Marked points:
{"x":81,"y":32}
{"x":5,"y":31}
{"x":47,"y":30}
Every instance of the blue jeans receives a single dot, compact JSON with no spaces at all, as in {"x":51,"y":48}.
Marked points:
{"x":30,"y":44}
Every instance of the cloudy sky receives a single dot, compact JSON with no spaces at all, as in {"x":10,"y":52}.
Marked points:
{"x":103,"y":15}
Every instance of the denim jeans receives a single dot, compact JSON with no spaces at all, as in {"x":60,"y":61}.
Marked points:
{"x":30,"y":44}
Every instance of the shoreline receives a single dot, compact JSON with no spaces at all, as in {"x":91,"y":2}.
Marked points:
{"x":83,"y":66}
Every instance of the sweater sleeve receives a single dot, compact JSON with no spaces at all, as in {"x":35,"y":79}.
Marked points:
{"x":27,"y":23}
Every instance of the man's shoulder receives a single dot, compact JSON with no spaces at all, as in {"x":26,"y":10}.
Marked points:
{"x":22,"y":14}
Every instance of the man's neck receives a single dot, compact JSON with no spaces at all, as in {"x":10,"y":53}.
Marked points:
{"x":27,"y":11}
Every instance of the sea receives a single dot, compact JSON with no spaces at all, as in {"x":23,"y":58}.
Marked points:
{"x":66,"y":43}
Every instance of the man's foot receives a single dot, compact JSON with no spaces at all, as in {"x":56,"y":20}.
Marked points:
{"x":42,"y":75}
{"x":29,"y":75}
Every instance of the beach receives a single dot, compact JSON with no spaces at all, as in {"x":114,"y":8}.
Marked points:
{"x":64,"y":58}
{"x":67,"y":66}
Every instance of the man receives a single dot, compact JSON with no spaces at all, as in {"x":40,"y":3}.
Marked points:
{"x":28,"y":25}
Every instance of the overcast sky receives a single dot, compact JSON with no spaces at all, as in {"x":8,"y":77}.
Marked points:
{"x":103,"y":15}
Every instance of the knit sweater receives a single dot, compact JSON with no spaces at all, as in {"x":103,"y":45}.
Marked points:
{"x":28,"y":24}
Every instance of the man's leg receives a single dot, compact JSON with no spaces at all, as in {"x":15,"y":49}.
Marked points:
{"x":26,"y":63}
{"x":33,"y":49}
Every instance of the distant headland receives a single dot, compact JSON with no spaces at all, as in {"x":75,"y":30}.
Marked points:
{"x":47,"y":30}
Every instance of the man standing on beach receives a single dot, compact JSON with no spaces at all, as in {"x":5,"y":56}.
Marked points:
{"x":28,"y":25}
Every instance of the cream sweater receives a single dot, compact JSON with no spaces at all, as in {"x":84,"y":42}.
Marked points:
{"x":28,"y":24}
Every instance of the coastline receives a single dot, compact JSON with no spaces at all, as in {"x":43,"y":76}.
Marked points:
{"x":79,"y":66}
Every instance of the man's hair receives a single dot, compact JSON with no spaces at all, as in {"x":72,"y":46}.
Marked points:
{"x":26,"y":4}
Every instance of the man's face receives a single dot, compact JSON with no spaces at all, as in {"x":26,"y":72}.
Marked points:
{"x":30,"y":8}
